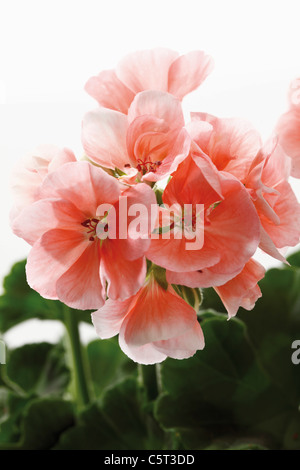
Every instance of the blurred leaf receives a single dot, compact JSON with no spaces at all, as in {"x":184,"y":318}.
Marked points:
{"x":223,"y":390}
{"x":117,"y":422}
{"x":39,"y":369}
{"x":43,"y":422}
{"x":20,"y":303}
{"x":108,"y":364}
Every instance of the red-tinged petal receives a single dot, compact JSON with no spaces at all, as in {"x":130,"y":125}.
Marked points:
{"x":267,"y":245}
{"x":173,"y":255}
{"x":43,"y":215}
{"x":104,"y":137}
{"x":242,"y":291}
{"x":147,"y":69}
{"x":136,"y":221}
{"x":83,"y":184}
{"x":80,"y":287}
{"x":108,"y":319}
{"x":159,"y":104}
{"x":51,"y":256}
{"x":187,"y":72}
{"x":287,"y":209}
{"x":157,"y":315}
{"x":230,"y":143}
{"x":124,"y":278}
{"x":234,"y":229}
{"x":109,"y":91}
{"x":205,"y":277}
{"x":178,"y":150}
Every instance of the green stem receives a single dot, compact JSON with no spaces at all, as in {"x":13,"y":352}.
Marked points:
{"x":78,"y":366}
{"x":149,"y":377}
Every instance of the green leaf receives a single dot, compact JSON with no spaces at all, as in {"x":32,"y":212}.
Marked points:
{"x":223,"y":390}
{"x":43,"y":422}
{"x":116,"y":422}
{"x":20,"y":303}
{"x":39,"y":369}
{"x":108,"y":364}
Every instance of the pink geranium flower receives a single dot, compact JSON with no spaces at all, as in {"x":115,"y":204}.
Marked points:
{"x":230,"y":232}
{"x":230,"y":143}
{"x":30,"y":172}
{"x":242,"y":290}
{"x":157,"y":69}
{"x":68,"y":261}
{"x":148,"y":144}
{"x":288,"y":128}
{"x":274,"y":199}
{"x":152,"y":325}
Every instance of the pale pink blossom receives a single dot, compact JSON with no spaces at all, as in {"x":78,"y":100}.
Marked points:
{"x":29,"y":173}
{"x":288,"y":128}
{"x":157,"y":69}
{"x":146,"y":144}
{"x":68,"y":261}
{"x":152,"y":325}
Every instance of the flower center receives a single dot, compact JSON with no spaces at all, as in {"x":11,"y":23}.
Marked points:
{"x":91,"y":226}
{"x":147,"y":166}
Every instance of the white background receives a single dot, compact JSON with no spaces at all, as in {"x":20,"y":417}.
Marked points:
{"x":48,"y":50}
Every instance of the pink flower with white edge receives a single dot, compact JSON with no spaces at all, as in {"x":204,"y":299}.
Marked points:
{"x":152,"y":325}
{"x":30,"y":172}
{"x":148,"y":144}
{"x":157,"y":69}
{"x":68,"y":261}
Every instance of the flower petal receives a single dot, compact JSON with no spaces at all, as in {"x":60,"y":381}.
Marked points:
{"x":104,"y":137}
{"x":187,"y":72}
{"x":242,"y":291}
{"x":80,"y":287}
{"x":182,"y":346}
{"x":109,"y":91}
{"x":108,"y":319}
{"x":51,"y":256}
{"x":157,"y":315}
{"x":159,"y":104}
{"x":147,"y":69}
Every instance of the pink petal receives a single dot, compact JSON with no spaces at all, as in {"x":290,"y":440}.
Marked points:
{"x":84,"y":185}
{"x":51,"y":256}
{"x":182,"y":346}
{"x":287,"y":208}
{"x":80,"y":287}
{"x":124,"y":278}
{"x":242,"y":291}
{"x":108,"y":319}
{"x":109,"y":91}
{"x":157,"y":315}
{"x":146,"y":354}
{"x":145,"y":70}
{"x":288,"y":130}
{"x":104,"y":137}
{"x":159,"y":104}
{"x":205,"y":277}
{"x":187,"y":72}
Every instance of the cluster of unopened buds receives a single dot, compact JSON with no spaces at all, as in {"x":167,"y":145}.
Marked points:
{"x":157,"y":205}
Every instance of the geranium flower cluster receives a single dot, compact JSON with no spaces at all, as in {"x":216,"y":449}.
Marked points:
{"x":155,"y":204}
